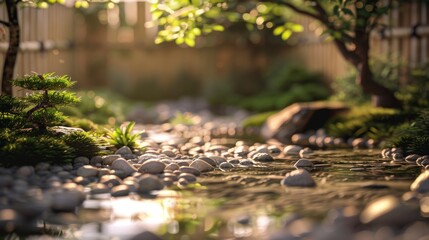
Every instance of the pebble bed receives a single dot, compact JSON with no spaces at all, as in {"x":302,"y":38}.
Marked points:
{"x":31,"y":193}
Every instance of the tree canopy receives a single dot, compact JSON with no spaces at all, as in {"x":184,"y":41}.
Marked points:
{"x":348,"y":22}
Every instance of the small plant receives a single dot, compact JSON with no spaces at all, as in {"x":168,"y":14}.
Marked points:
{"x":123,"y":136}
{"x":183,"y":118}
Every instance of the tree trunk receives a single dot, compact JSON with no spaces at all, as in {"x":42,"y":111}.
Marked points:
{"x":12,"y":51}
{"x":380,"y":95}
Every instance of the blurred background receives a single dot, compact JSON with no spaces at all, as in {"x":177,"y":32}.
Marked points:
{"x":113,"y":49}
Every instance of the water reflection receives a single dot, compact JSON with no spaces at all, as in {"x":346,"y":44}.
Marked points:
{"x":245,"y":202}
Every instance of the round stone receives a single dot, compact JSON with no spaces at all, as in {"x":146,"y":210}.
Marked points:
{"x":298,"y":178}
{"x":305,"y":152}
{"x":66,"y":201}
{"x":120,"y":191}
{"x":152,"y":167}
{"x":96,"y":160}
{"x":190,"y":170}
{"x":189,"y":177}
{"x":389,"y":211}
{"x":25,"y":171}
{"x":274,"y":150}
{"x":110,"y":180}
{"x":172,"y":167}
{"x":234,"y":161}
{"x":147,"y":183}
{"x":108,"y":160}
{"x":412,"y":158}
{"x":99,"y":188}
{"x":292,"y":150}
{"x":421,"y":184}
{"x":124,"y":166}
{"x":246,"y":162}
{"x":218,"y":159}
{"x":226,"y":165}
{"x":262,"y":157}
{"x":124,"y":151}
{"x":305,"y":164}
{"x":207,"y":160}
{"x":386,"y":153}
{"x":83,"y":160}
{"x":359,"y":143}
{"x":87,"y":171}
{"x":201,"y":165}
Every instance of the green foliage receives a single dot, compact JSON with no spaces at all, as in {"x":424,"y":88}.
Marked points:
{"x":83,"y":123}
{"x":29,"y":148}
{"x":47,"y":81}
{"x":370,"y":122}
{"x":286,"y":84}
{"x":123,"y":136}
{"x":415,"y":95}
{"x":182,"y":21}
{"x":100,"y":107}
{"x":183,"y":118}
{"x":25,"y":136}
{"x":82,"y":143}
{"x":257,"y":120}
{"x":414,"y":138}
{"x":37,"y":110}
{"x":345,"y":90}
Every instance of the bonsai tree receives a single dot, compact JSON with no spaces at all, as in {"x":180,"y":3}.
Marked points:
{"x":25,"y":133}
{"x":38,"y":109}
{"x":348,"y":22}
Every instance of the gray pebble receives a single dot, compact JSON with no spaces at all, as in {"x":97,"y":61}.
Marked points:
{"x":120,"y":191}
{"x":147,"y":183}
{"x":87,"y":171}
{"x":190,"y":178}
{"x":298,"y":178}
{"x":263,"y":157}
{"x":83,"y":160}
{"x":152,"y":167}
{"x":124,"y":150}
{"x":190,"y":170}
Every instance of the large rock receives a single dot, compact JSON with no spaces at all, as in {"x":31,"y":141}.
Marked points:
{"x":300,"y":117}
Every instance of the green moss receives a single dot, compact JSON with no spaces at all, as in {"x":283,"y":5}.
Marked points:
{"x":82,"y":143}
{"x":414,"y":137}
{"x":257,"y":120}
{"x":370,"y":122}
{"x":29,"y":148}
{"x":83,"y":123}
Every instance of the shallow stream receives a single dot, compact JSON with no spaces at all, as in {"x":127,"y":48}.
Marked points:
{"x":241,"y":203}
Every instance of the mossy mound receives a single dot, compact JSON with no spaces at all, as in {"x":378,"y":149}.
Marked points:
{"x":19,"y":148}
